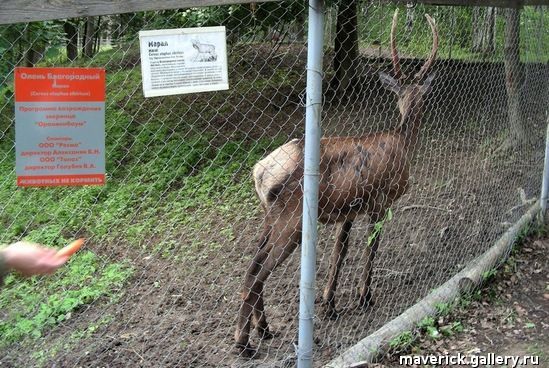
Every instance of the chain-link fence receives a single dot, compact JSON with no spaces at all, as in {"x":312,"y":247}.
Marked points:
{"x":176,"y":228}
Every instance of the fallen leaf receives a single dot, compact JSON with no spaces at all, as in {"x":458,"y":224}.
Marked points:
{"x":520,"y":310}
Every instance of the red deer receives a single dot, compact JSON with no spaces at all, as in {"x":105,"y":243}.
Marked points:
{"x":359,"y":175}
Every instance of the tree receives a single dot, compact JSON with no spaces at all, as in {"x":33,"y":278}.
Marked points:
{"x":346,"y":45}
{"x":484,"y":30}
{"x":37,"y":37}
{"x":71,"y":34}
{"x":513,"y":78}
{"x":87,"y":37}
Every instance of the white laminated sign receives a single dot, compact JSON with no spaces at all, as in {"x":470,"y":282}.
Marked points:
{"x":184,"y":60}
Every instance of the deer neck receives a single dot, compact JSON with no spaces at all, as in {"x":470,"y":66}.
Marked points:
{"x":410,"y":123}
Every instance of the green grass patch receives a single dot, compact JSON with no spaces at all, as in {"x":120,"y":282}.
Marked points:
{"x":167,"y":176}
{"x":402,"y":341}
{"x":33,"y":306}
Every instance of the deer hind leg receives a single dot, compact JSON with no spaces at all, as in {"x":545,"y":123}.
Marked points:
{"x":365,"y":298}
{"x":250,"y":295}
{"x":338,"y":256}
{"x":284,"y":238}
{"x":259,"y":319}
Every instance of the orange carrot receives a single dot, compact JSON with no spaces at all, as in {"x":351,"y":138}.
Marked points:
{"x":70,"y":249}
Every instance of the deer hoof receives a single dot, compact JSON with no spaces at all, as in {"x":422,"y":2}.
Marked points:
{"x":330,"y":312}
{"x":245,"y":350}
{"x":366,"y":301}
{"x":265,"y":333}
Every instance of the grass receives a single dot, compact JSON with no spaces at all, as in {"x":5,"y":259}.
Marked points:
{"x":169,"y":173}
{"x":35,"y":305}
{"x":402,"y":341}
{"x":378,"y":226}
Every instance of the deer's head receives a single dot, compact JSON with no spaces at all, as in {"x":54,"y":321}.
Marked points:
{"x":410,"y":94}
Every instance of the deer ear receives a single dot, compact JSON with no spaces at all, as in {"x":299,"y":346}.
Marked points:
{"x":389,"y":82}
{"x":426,"y":86}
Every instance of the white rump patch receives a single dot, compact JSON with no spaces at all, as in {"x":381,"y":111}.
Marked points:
{"x":275,"y":168}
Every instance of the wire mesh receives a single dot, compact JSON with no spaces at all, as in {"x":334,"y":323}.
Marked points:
{"x":175,"y":230}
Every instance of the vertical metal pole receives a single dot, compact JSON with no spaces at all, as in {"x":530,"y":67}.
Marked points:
{"x":315,"y":47}
{"x":545,"y":181}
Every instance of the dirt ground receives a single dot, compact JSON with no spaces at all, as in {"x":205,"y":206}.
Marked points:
{"x":461,"y":199}
{"x":509,"y":315}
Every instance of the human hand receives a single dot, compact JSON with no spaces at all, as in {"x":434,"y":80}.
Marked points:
{"x":32,"y":259}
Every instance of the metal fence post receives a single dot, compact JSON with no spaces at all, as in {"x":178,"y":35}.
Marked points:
{"x":545,"y":180}
{"x":311,"y":180}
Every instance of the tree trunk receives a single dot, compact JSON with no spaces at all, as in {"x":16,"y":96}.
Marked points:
{"x":97,"y":36}
{"x":489,"y":39}
{"x":87,"y":41}
{"x":484,"y":24}
{"x":32,"y":56}
{"x":35,"y":51}
{"x":409,"y":20}
{"x":476,"y":21}
{"x":71,"y":33}
{"x":300,"y":27}
{"x":346,"y":45}
{"x":513,"y":77}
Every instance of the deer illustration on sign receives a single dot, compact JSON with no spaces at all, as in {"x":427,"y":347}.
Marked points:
{"x":204,"y":51}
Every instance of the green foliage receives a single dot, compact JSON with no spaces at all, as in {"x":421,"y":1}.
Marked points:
{"x":431,"y":328}
{"x":426,"y":322}
{"x":241,"y":21}
{"x":402,"y":341}
{"x":444,"y":308}
{"x":18,"y":40}
{"x":432,"y":332}
{"x":378,"y":226}
{"x":35,"y":305}
{"x":529,"y":325}
{"x":489,"y":274}
{"x":451,"y":329}
{"x":455,"y":25}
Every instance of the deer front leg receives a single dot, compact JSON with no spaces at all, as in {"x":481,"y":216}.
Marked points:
{"x":338,"y":256}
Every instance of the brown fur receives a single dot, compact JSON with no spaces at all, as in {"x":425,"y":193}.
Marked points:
{"x":358,"y":175}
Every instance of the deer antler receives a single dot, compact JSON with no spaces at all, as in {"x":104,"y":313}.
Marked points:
{"x":427,"y":65}
{"x":394,"y":53}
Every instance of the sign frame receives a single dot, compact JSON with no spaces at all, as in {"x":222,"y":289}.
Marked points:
{"x":59,"y":126}
{"x":185,"y":62}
